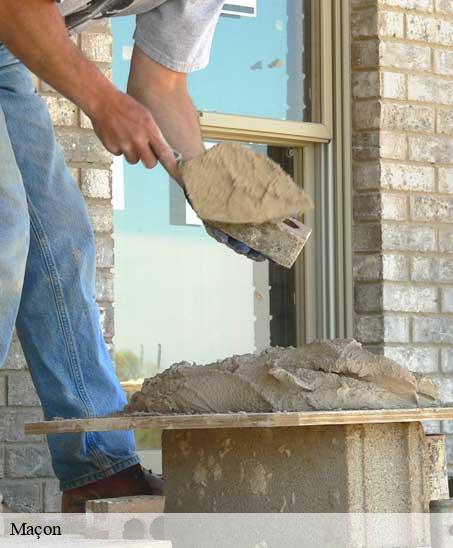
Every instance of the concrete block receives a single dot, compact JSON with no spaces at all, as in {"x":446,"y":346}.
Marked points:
{"x":28,"y":461}
{"x":21,"y":390}
{"x":436,"y":462}
{"x":52,"y":496}
{"x":22,"y":495}
{"x":12,"y":423}
{"x":357,"y":468}
{"x":142,"y":504}
{"x":16,"y":358}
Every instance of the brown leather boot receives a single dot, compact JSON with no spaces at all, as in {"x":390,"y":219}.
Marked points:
{"x":129,"y":482}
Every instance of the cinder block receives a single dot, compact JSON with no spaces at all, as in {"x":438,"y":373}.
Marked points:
{"x":342,"y":468}
{"x":436,"y":463}
{"x":143,"y":504}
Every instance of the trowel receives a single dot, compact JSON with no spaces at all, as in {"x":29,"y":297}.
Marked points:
{"x":249,"y":197}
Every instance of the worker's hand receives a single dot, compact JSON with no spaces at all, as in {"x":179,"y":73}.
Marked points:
{"x":126,"y":127}
{"x":232,"y":243}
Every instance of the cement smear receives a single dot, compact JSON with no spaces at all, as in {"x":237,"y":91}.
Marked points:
{"x":337,"y":374}
{"x":232,"y":184}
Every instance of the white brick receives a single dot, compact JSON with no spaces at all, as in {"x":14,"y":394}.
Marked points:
{"x":401,"y":237}
{"x":421,"y":5}
{"x":446,"y":239}
{"x":445,"y":121}
{"x":395,"y":267}
{"x":407,"y":177}
{"x":405,"y":56}
{"x":408,"y":298}
{"x":447,"y":361}
{"x":391,"y":23}
{"x":417,"y":359}
{"x":446,"y":180}
{"x":393,"y":85}
{"x":393,"y":146}
{"x":394,"y":207}
{"x":432,"y":89}
{"x":443,"y":62}
{"x":96,"y":183}
{"x":447,"y":300}
{"x":97,"y":46}
{"x":444,"y":390}
{"x":396,"y":329}
{"x":431,"y":149}
{"x":444,"y":6}
{"x":435,"y":209}
{"x":62,"y":111}
{"x":407,"y":117}
{"x":421,"y":28}
{"x":432,"y":269}
{"x":433,"y":329}
{"x":446,"y":32}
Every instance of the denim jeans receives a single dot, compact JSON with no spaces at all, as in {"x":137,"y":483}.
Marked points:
{"x":47,"y":285}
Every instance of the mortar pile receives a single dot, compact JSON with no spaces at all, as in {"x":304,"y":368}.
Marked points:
{"x":328,"y":375}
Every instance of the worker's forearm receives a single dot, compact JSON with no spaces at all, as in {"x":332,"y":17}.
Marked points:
{"x":35,"y":32}
{"x":164,"y":93}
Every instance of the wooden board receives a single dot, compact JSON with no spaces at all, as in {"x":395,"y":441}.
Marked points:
{"x":237,"y":420}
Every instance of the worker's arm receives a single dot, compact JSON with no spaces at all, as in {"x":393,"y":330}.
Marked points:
{"x":35,"y":32}
{"x":164,"y":92}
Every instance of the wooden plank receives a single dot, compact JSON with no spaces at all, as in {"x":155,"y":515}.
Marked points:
{"x":237,"y":420}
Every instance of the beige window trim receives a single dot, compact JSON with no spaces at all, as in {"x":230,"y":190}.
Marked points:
{"x":218,"y":126}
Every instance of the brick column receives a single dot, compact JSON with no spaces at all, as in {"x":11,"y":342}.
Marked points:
{"x":27,"y":481}
{"x":402,"y":58}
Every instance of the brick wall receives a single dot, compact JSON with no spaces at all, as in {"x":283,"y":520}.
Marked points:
{"x":402,"y":57}
{"x":26,"y":478}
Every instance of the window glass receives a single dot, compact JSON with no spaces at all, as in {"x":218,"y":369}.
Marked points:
{"x":260,"y":62}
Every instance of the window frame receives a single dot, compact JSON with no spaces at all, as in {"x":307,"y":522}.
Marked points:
{"x":270,"y":131}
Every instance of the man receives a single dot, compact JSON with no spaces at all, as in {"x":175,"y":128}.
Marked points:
{"x":47,"y":249}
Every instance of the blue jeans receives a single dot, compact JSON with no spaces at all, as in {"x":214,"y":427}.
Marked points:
{"x":47,"y":285}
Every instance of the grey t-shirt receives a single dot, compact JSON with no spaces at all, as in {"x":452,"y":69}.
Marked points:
{"x":176,"y":33}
